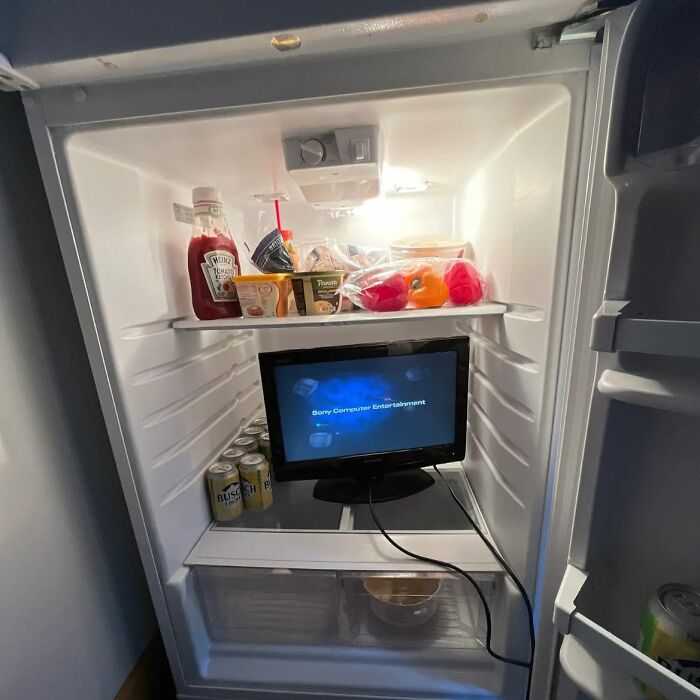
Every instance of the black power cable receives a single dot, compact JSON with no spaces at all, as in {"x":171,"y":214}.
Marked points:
{"x":508,"y":570}
{"x":468,"y":577}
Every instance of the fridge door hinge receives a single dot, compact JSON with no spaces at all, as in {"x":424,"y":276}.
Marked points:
{"x":604,"y":322}
{"x":590,"y":21}
{"x":565,"y":602}
{"x":12,"y":80}
{"x":584,"y":30}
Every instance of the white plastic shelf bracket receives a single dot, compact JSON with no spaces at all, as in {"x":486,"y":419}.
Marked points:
{"x":604,"y":323}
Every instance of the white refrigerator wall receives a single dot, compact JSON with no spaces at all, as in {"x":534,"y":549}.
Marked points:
{"x":514,"y":212}
{"x":181,"y":395}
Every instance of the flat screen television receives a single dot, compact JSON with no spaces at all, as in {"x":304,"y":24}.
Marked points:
{"x":353,"y":414}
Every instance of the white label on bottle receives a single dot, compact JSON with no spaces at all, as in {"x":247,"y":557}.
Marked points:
{"x":214,"y":209}
{"x":182,"y":213}
{"x":219,"y":267}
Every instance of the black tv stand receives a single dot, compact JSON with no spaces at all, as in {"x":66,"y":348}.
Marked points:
{"x":387,"y":487}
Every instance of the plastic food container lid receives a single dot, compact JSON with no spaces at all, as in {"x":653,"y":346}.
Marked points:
{"x":419,"y":243}
{"x":266,"y":277}
{"x":319,"y":273}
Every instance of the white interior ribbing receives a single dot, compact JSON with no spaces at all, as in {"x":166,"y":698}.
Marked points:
{"x":510,"y":211}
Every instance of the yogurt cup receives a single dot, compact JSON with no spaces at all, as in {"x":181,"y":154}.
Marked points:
{"x":263,"y":295}
{"x":316,"y":293}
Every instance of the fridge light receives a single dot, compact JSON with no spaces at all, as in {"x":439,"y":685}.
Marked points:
{"x":403,"y":181}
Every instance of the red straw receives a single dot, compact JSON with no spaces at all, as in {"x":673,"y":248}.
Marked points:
{"x":277,"y":214}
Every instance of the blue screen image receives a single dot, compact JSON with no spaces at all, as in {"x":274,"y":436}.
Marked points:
{"x":363,"y":406}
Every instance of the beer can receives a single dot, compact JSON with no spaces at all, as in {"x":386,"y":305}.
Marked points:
{"x":248,"y":443}
{"x":262,"y":422}
{"x":224,"y":491}
{"x":264,"y":445}
{"x":233,"y":455}
{"x":255,"y":482}
{"x":670,"y":633}
{"x":253,"y":431}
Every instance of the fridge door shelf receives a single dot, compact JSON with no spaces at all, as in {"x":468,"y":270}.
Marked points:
{"x":658,"y":336}
{"x":602,"y":664}
{"x":615,"y":329}
{"x":671,"y":391}
{"x":484,"y":308}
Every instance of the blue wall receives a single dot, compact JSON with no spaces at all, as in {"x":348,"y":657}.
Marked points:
{"x":75,"y":614}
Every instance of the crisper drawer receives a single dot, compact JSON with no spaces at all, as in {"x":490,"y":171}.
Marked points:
{"x":401,"y":610}
{"x":274,"y":606}
{"x":426,"y":611}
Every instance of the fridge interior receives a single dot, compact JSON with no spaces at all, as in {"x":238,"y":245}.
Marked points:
{"x":491,"y":165}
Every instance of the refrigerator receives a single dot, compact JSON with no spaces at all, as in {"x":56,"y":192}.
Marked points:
{"x":565,"y":156}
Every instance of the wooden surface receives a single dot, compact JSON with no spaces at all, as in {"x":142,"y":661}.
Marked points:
{"x":150,"y":678}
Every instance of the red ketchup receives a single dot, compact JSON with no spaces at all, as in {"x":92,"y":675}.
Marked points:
{"x":212,"y":258}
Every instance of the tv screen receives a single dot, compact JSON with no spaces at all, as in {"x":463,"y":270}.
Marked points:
{"x":369,"y":405}
{"x":357,"y":410}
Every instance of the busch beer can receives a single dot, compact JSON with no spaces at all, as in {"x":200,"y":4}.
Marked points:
{"x":224,"y":491}
{"x":255,"y":482}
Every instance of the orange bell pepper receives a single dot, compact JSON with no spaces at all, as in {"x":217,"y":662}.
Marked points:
{"x":426,"y":288}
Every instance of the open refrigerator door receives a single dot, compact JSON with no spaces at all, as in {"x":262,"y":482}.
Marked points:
{"x":625,"y":606}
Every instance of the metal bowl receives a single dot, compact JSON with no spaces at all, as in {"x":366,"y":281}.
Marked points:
{"x":403,"y":601}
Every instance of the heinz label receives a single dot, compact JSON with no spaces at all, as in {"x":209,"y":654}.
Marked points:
{"x":219,"y":267}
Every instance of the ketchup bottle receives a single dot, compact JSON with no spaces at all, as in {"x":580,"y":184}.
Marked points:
{"x":212,"y":258}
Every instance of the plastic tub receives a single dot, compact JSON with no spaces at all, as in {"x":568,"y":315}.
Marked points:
{"x":406,"y":248}
{"x":318,"y":293}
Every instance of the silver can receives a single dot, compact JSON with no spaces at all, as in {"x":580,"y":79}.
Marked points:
{"x":670,"y":632}
{"x":264,"y":445}
{"x":253,"y":431}
{"x":249,"y":444}
{"x":261,"y":422}
{"x":233,"y":455}
{"x":224,"y":484}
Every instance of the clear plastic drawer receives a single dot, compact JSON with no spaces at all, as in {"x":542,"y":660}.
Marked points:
{"x":268,"y":606}
{"x":402,"y":610}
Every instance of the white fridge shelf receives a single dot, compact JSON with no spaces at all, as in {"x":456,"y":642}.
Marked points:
{"x":485,"y":308}
{"x":600,"y":663}
{"x":616,"y":328}
{"x":334,"y":537}
{"x":658,"y":336}
{"x":671,"y":391}
{"x":336,"y":551}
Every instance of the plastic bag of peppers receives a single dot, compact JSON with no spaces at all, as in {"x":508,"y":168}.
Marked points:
{"x":419,"y":283}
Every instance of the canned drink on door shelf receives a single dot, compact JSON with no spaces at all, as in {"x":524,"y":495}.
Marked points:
{"x":224,"y":485}
{"x":262,"y":422}
{"x":255,"y":482}
{"x":670,"y":633}
{"x":233,"y":455}
{"x":246,"y":442}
